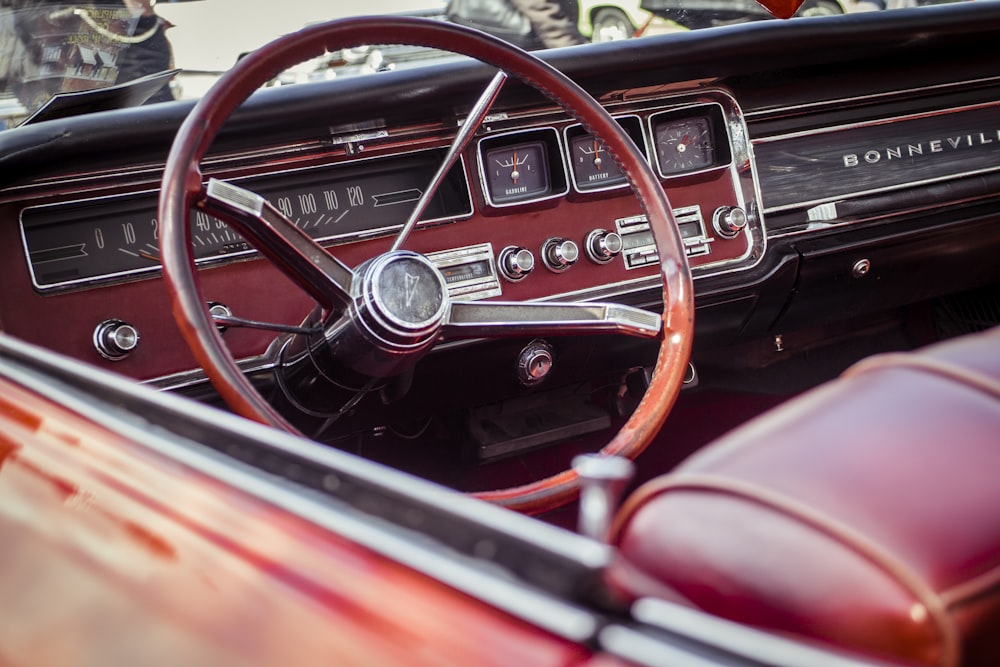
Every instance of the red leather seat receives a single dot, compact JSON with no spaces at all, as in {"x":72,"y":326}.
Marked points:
{"x":865,"y":513}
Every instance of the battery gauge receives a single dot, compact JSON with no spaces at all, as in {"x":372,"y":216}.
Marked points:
{"x":592,"y":164}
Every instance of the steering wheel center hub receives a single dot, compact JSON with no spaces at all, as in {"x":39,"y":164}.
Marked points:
{"x":405,"y":296}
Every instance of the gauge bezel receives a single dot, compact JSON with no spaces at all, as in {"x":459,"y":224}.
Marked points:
{"x":632,"y":124}
{"x":718,"y":129}
{"x":548,"y":137}
{"x":144,"y":202}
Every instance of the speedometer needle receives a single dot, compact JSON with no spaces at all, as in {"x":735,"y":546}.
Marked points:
{"x":145,"y":254}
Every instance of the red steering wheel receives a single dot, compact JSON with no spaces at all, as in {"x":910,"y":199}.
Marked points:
{"x":360,"y":301}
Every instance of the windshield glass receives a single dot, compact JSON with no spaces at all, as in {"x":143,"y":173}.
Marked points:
{"x":146,"y":52}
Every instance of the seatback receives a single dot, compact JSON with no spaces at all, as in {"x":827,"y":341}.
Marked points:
{"x":865,"y":513}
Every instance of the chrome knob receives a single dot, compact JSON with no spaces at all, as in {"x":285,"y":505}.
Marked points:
{"x":515,"y":263}
{"x":114,"y":339}
{"x":603,"y":246}
{"x":729,"y":220}
{"x":219,"y":310}
{"x":560,"y":254}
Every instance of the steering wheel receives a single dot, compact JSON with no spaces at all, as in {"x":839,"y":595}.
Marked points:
{"x":382,"y":316}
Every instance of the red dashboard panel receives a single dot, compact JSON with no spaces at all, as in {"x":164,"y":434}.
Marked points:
{"x":357,"y":184}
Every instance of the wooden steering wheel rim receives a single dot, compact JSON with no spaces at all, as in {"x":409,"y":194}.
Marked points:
{"x":182,"y":186}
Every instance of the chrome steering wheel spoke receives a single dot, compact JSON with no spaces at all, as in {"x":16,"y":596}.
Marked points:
{"x":494,"y":319}
{"x":292,"y":250}
{"x":462,"y":139}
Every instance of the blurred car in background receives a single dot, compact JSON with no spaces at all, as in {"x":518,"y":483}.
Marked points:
{"x":604,"y":21}
{"x":611,"y":20}
{"x":708,"y":13}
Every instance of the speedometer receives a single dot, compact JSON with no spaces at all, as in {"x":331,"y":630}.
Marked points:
{"x":98,"y":240}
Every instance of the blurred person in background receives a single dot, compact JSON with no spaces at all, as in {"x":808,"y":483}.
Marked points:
{"x":529,"y":24}
{"x":147,"y":50}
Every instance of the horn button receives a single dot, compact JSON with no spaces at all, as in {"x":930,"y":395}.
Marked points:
{"x":405,"y":299}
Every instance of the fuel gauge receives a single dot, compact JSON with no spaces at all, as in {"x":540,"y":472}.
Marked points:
{"x":516,"y":173}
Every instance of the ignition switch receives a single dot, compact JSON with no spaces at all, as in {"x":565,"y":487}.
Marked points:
{"x":534,"y":362}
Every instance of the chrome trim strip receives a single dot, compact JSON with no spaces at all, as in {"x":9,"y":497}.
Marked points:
{"x":868,"y":124}
{"x":642,"y":649}
{"x":867,"y":100}
{"x":820,"y":225}
{"x":756,"y":646}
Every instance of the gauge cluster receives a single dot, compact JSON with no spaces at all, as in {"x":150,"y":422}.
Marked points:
{"x":696,"y":147}
{"x":522,"y":167}
{"x":99,"y":240}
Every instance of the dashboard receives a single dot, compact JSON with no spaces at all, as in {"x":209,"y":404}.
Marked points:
{"x":496,"y":227}
{"x":694,"y":146}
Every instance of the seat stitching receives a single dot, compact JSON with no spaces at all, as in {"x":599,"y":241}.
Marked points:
{"x":948,"y":370}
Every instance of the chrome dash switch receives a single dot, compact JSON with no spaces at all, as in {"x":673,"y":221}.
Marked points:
{"x":560,"y":254}
{"x":114,"y":339}
{"x":603,"y":246}
{"x":729,"y":220}
{"x":515,"y":263}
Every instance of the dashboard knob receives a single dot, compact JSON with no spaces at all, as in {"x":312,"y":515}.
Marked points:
{"x":603,"y":246}
{"x":216,"y":309}
{"x":515,"y":263}
{"x":729,"y":220}
{"x":114,"y":339}
{"x":560,"y":254}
